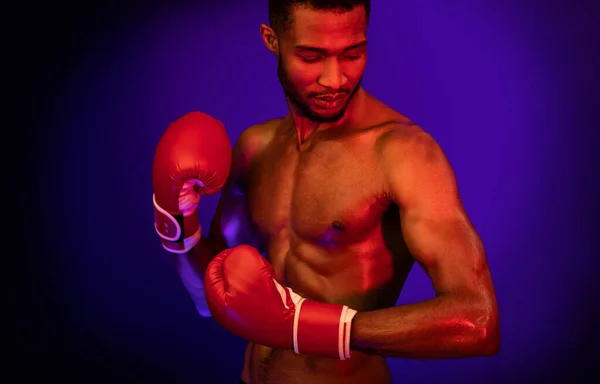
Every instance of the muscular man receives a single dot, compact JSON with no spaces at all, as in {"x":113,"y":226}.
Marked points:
{"x":341,"y":197}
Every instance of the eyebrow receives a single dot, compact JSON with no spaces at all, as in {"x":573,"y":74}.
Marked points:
{"x":323,"y":50}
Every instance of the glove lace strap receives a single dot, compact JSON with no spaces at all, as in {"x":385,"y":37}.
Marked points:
{"x":179,"y":233}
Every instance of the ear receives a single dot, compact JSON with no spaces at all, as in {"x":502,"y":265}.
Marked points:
{"x":269,"y":38}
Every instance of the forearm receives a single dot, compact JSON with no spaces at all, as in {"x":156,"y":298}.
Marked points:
{"x":447,"y":326}
{"x":191,"y":266}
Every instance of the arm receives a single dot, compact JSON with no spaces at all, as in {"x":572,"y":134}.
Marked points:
{"x":462,"y":319}
{"x":230,"y":226}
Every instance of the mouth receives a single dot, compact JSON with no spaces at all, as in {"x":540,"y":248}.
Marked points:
{"x":329,"y":101}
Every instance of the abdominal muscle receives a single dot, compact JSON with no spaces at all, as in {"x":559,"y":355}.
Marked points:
{"x":264,"y":365}
{"x":341,"y":278}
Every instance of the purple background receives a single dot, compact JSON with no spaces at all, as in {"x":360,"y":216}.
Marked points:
{"x":508,"y":88}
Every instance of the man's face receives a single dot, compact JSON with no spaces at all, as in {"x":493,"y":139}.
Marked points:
{"x":322,"y":60}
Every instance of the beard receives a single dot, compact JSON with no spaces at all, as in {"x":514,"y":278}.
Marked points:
{"x":302,"y":106}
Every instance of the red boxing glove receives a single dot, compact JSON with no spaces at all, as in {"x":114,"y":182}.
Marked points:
{"x":244,"y":297}
{"x":193,"y":158}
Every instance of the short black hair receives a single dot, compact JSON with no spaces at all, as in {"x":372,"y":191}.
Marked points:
{"x":280,"y":11}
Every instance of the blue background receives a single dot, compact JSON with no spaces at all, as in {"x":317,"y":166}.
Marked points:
{"x":509,"y":89}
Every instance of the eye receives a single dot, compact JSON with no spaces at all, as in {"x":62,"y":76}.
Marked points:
{"x":310,"y":59}
{"x":352,"y":57}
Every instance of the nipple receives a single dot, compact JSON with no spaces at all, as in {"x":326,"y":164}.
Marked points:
{"x":338,"y":225}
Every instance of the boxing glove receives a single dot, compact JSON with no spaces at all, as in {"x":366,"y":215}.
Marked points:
{"x":192,"y":158}
{"x":245,"y":298}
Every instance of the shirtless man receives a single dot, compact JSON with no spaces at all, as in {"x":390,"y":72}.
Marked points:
{"x":341,"y":197}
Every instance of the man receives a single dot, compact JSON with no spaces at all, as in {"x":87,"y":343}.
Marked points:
{"x":341,"y":196}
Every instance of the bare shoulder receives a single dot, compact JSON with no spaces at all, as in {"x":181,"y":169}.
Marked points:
{"x":254,"y":139}
{"x":407,"y":141}
{"x":416,"y":170}
{"x":398,"y":134}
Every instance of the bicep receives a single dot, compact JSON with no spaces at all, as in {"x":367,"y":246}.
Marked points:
{"x":232,"y":224}
{"x":448,"y":249}
{"x":434,"y":223}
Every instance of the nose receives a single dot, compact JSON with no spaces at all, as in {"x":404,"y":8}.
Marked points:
{"x":333,"y":76}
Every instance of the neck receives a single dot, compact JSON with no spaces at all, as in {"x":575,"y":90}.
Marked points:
{"x":305,"y":127}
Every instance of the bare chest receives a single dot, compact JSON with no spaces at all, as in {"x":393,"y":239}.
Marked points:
{"x":329,"y":194}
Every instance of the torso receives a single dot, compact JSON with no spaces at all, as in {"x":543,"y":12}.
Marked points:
{"x":331,"y":234}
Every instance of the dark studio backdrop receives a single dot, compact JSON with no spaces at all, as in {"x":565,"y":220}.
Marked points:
{"x":508,"y":88}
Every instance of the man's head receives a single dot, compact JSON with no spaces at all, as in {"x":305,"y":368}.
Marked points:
{"x":321,"y":52}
